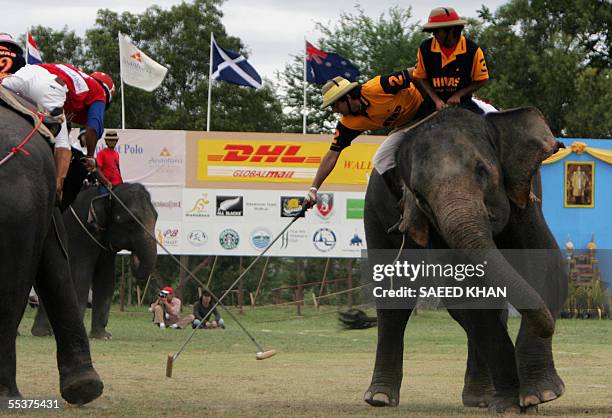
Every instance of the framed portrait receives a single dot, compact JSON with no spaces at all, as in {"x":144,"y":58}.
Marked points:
{"x":579,"y":184}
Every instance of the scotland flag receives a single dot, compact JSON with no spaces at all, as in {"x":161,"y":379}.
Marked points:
{"x":323,"y":66}
{"x":32,"y":53}
{"x":232,"y":67}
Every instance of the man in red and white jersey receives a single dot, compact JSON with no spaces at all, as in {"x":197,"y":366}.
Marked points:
{"x":82,"y":97}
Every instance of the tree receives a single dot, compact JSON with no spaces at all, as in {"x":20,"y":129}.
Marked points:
{"x":375,"y":46}
{"x":550,"y":54}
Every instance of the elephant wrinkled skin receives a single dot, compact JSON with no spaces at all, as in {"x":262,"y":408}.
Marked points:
{"x":467,"y":181}
{"x":93,"y":266}
{"x":31,"y":253}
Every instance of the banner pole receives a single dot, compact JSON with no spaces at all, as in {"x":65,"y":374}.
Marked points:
{"x":210,"y":63}
{"x":122,"y":90}
{"x":305,"y":76}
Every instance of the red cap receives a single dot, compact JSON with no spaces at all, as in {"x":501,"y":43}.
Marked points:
{"x":168,"y":289}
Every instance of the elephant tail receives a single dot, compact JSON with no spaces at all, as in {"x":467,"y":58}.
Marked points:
{"x":356,"y":319}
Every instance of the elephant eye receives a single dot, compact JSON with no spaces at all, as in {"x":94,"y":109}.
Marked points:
{"x":481,"y":170}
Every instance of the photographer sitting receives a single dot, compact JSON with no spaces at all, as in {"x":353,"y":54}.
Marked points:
{"x":201,"y":310}
{"x":167,"y":311}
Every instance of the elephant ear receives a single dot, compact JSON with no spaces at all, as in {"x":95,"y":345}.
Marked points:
{"x":523,"y":140}
{"x":99,"y":211}
{"x":414,"y":222}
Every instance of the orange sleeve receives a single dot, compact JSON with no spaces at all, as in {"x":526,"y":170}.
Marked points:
{"x":479,"y":68}
{"x":419,"y":71}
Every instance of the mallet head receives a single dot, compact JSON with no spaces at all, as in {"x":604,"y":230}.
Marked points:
{"x":262,"y":355}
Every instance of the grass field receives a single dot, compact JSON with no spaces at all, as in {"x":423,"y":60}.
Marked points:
{"x":320,"y":370}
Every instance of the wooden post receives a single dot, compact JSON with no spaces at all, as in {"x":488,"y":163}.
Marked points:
{"x":138,"y":295}
{"x":315,"y":301}
{"x":144,"y":292}
{"x":350,"y":284}
{"x":299,"y":291}
{"x":323,"y":281}
{"x":122,"y":286}
{"x":263,"y":273}
{"x":252,"y":300}
{"x":240,"y":289}
{"x":129,"y":289}
{"x":210,"y":275}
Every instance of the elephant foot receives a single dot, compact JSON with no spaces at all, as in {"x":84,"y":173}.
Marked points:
{"x":82,"y":387}
{"x":477,"y":395}
{"x":41,"y":331}
{"x":382,"y":395}
{"x":101,"y":334}
{"x":505,"y":404}
{"x":547,"y":389}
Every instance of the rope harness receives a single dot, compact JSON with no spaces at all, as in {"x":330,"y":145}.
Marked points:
{"x":86,"y":230}
{"x":19,"y":148}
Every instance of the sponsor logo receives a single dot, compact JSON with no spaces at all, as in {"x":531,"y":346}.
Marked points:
{"x":358,"y":165}
{"x":229,"y":239}
{"x":200,"y":208}
{"x":354,"y":208}
{"x":137,"y":56}
{"x":229,"y":206}
{"x":292,"y":236}
{"x":260,"y":238}
{"x":291,"y":206}
{"x":197,"y":238}
{"x":356,"y":241}
{"x":167,"y":237}
{"x":438,"y":82}
{"x":324,"y":239}
{"x":260,"y":206}
{"x":325,"y":205}
{"x":284,"y":153}
{"x":165,"y":160}
{"x":167,"y":204}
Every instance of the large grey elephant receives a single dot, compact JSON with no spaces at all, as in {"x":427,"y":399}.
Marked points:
{"x":30,"y":251}
{"x":467,"y":183}
{"x":92,"y":251}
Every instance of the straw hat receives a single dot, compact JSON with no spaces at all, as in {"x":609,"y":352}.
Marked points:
{"x":443,"y":17}
{"x":335,"y":89}
{"x":111,"y":136}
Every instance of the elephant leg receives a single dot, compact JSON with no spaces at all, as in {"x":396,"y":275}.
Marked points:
{"x":487,"y":330}
{"x":103,"y":287}
{"x":388,"y":369}
{"x":478,"y":388}
{"x":539,"y":381}
{"x":79,"y":382}
{"x":41,"y":326}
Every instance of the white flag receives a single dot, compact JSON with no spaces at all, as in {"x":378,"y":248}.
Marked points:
{"x":137,"y":69}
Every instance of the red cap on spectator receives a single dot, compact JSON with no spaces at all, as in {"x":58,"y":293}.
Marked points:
{"x":168,"y":289}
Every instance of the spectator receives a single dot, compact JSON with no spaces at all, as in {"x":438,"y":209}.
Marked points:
{"x":167,"y":311}
{"x":201,"y":310}
{"x":107,"y":160}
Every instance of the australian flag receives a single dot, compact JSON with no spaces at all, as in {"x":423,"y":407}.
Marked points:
{"x":232,"y":67}
{"x":323,"y":66}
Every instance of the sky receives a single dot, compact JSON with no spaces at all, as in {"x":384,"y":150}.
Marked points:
{"x":272,"y":30}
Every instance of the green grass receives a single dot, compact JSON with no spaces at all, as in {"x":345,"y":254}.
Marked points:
{"x":320,"y":370}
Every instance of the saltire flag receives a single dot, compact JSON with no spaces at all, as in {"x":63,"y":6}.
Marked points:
{"x":137,"y":68}
{"x":32,"y":53}
{"x":232,"y":67}
{"x":323,"y":66}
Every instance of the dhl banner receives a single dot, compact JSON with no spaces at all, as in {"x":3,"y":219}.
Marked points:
{"x":280,"y":162}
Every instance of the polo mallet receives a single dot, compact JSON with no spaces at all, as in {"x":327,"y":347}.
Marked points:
{"x":261,"y":354}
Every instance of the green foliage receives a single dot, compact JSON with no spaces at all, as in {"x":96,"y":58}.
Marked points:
{"x":550,"y":54}
{"x":60,"y":46}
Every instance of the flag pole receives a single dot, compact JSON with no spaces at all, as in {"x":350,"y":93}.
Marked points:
{"x":122,"y":90}
{"x":210,"y":63}
{"x":305,"y":75}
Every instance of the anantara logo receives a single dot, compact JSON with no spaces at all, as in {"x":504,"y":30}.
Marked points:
{"x":200,"y":208}
{"x":264,"y":153}
{"x":136,"y":56}
{"x":164,"y":152}
{"x":229,"y":206}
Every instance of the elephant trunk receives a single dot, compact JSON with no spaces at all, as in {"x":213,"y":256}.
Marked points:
{"x":143,"y":259}
{"x":464,"y":224}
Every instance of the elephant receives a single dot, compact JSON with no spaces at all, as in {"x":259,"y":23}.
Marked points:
{"x":92,"y":262}
{"x":466,"y":181}
{"x":32,"y":251}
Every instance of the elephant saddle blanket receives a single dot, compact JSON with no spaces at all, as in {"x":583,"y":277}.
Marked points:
{"x":30,"y":110}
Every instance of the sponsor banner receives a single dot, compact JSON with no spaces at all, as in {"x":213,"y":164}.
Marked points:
{"x":282,"y":162}
{"x":168,"y":202}
{"x":154,"y":158}
{"x":354,"y":208}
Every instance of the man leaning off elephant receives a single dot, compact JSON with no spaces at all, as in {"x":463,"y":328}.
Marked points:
{"x":167,"y":311}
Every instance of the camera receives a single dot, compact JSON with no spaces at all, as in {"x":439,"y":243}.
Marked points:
{"x":162,"y":295}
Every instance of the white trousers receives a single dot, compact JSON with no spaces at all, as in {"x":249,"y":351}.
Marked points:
{"x":384,"y":158}
{"x":38,"y":84}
